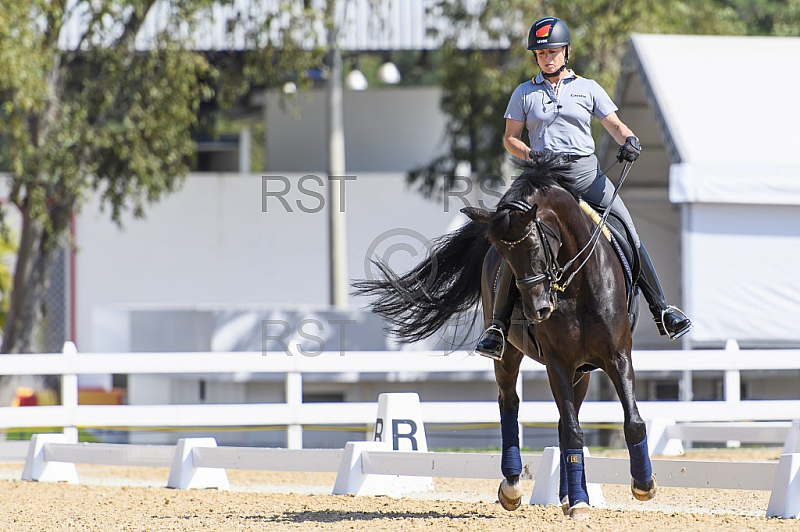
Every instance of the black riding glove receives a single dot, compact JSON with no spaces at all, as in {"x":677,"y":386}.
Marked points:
{"x":629,"y":151}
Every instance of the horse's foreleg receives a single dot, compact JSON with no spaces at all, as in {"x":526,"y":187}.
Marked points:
{"x":506,"y":371}
{"x":568,"y":394}
{"x":643,"y":483}
{"x":579,"y":390}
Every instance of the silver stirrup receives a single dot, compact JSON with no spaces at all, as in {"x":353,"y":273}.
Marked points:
{"x":678,"y":311}
{"x":485,"y":333}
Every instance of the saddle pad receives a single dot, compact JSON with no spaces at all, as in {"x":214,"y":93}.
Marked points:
{"x":624,"y":259}
{"x":595,"y":216}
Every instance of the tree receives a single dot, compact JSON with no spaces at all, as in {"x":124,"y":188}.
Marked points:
{"x":477,"y":82}
{"x":100,"y":97}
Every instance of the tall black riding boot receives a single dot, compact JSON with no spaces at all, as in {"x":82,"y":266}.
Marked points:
{"x":493,"y":341}
{"x":669,"y":320}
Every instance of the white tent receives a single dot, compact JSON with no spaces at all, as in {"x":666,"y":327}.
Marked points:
{"x":721,"y":133}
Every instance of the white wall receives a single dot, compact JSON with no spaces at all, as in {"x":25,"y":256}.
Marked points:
{"x":386,"y":130}
{"x":741,"y":273}
{"x":211,"y":246}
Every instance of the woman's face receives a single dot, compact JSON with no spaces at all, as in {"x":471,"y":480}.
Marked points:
{"x":551,"y":59}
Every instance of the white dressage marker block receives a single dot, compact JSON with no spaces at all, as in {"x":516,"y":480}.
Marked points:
{"x":399,"y":424}
{"x":784,"y":501}
{"x":398,"y":427}
{"x":658,"y":440}
{"x":545,"y":486}
{"x":38,"y":468}
{"x":184,"y":475}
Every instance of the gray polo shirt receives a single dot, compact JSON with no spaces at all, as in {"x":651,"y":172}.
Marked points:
{"x":560,"y":124}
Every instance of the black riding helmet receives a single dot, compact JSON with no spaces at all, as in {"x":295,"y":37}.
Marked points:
{"x":549,"y":32}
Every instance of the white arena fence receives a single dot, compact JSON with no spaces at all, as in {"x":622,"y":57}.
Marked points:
{"x":373,"y":468}
{"x":671,"y":422}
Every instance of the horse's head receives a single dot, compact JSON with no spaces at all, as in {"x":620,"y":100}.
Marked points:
{"x":530,"y":247}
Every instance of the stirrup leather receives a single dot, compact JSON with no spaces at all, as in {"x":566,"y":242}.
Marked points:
{"x":490,"y":329}
{"x":663,"y":329}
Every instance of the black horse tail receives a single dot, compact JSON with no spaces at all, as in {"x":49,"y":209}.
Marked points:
{"x":447,"y":283}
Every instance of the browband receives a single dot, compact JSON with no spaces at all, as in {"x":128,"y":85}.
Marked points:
{"x":518,"y":205}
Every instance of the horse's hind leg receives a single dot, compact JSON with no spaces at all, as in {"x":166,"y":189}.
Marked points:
{"x":643,"y":483}
{"x":506,"y":371}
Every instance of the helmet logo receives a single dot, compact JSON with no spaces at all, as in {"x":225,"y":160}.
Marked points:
{"x":544,"y":31}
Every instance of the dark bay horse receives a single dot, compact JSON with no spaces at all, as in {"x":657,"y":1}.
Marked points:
{"x":574,"y":307}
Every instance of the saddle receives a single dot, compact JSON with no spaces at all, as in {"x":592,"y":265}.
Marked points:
{"x":622,"y":241}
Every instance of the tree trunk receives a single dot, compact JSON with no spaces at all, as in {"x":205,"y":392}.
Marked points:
{"x":31,"y":280}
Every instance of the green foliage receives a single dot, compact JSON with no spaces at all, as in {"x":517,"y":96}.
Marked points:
{"x":89,"y":104}
{"x":8,"y":249}
{"x":111,"y":116}
{"x":84,"y":436}
{"x":477,"y":84}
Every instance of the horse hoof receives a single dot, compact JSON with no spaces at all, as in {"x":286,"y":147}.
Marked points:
{"x":509,"y":496}
{"x":565,"y":505}
{"x":581,"y":510}
{"x":644,"y":494}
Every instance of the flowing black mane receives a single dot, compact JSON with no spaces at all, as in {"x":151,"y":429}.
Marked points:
{"x":542,"y":172}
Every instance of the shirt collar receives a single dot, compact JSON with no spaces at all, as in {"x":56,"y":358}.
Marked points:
{"x":541,"y":79}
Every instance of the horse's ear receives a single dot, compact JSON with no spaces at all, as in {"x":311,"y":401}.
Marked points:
{"x":530,"y":216}
{"x":477,"y":215}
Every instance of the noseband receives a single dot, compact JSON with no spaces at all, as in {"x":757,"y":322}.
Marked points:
{"x":552,"y":274}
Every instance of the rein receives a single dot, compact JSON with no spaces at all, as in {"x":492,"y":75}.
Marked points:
{"x":554,"y":273}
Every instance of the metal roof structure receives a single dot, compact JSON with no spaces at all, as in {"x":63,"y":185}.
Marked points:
{"x":724,"y":104}
{"x":365,"y":25}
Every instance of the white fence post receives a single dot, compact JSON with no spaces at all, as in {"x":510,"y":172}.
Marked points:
{"x":69,"y":391}
{"x":792,"y":443}
{"x":659,"y":440}
{"x":294,"y":400}
{"x":184,"y":475}
{"x":545,"y":487}
{"x":37,"y":467}
{"x":733,"y":384}
{"x":785,"y":498}
{"x":351,"y":479}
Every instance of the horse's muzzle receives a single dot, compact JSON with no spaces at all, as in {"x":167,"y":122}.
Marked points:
{"x":543,"y":312}
{"x":539,"y":315}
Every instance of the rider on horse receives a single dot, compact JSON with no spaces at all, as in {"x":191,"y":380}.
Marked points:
{"x":557,"y":107}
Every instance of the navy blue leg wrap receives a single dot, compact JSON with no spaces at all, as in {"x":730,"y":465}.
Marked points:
{"x":576,"y":476}
{"x":511,"y":463}
{"x":641,"y":471}
{"x":563,"y":483}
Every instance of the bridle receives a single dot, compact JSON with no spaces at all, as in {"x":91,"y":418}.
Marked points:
{"x":553,"y":273}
